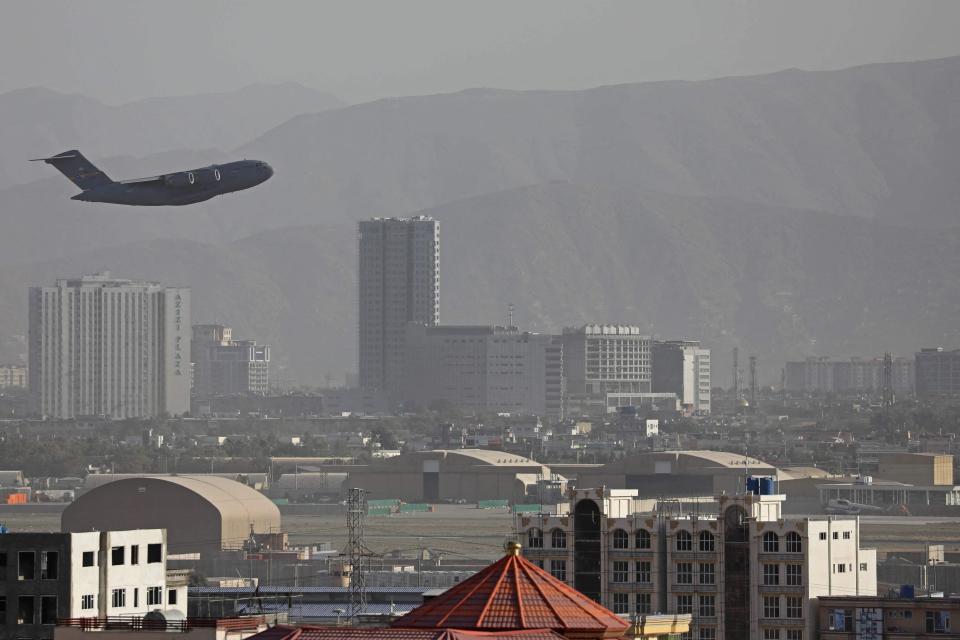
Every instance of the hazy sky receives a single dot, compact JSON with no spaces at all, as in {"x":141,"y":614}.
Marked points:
{"x":120,"y":50}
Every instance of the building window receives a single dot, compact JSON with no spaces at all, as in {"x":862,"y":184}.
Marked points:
{"x":794,"y":542}
{"x":3,"y":609}
{"x":49,"y":561}
{"x":685,"y":603}
{"x":708,"y":606}
{"x":840,"y":568}
{"x":154,"y":595}
{"x":684,"y":541}
{"x":117,"y":556}
{"x":88,"y":558}
{"x":938,"y":621}
{"x":771,"y":574}
{"x":25,"y":610}
{"x":621,"y":603}
{"x":86,"y":601}
{"x":823,"y":535}
{"x":771,"y":542}
{"x":794,"y":634}
{"x":706,"y":542}
{"x":118,"y":598}
{"x":863,"y":566}
{"x":707,"y":633}
{"x":794,"y":575}
{"x":840,"y":620}
{"x":684,"y":573}
{"x":644,"y":603}
{"x":620,"y":539}
{"x":836,"y":535}
{"x":643,"y":571}
{"x":558,"y":569}
{"x":771,"y":606}
{"x":172,"y":595}
{"x":794,"y":607}
{"x":771,"y":634}
{"x":48,"y":610}
{"x":25,"y":565}
{"x":846,"y":535}
{"x":535,"y":539}
{"x":643,"y":539}
{"x":621,"y":571}
{"x":708,"y":573}
{"x":558,"y":539}
{"x":154,"y":553}
{"x":135,"y":554}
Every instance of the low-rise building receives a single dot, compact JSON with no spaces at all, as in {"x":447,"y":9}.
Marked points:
{"x":13,"y":376}
{"x":743,"y":571}
{"x":855,"y":617}
{"x":49,"y":576}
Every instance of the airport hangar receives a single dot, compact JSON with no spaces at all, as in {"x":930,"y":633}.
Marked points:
{"x":451,"y":474}
{"x":200,"y":513}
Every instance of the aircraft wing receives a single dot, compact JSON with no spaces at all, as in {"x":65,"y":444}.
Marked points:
{"x":139,"y":180}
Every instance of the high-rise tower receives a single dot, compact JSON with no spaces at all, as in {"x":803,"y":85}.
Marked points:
{"x":100,"y":346}
{"x":399,"y":283}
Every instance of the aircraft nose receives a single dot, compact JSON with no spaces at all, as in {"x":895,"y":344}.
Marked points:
{"x":267,"y":171}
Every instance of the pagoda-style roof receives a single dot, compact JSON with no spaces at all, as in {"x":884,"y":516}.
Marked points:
{"x":284,"y":632}
{"x":514,"y":594}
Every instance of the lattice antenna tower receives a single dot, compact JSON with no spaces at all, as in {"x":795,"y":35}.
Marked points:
{"x":887,"y":379}
{"x":753,"y":381}
{"x":356,"y":512}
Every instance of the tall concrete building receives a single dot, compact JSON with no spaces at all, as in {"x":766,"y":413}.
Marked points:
{"x":604,"y":360}
{"x":938,"y":372}
{"x":743,"y":571}
{"x":399,"y":283}
{"x":485,"y":369}
{"x":682,"y":367}
{"x":223,"y":366}
{"x":101,"y":346}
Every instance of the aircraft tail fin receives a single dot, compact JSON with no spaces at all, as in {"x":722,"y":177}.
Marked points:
{"x":78,"y":169}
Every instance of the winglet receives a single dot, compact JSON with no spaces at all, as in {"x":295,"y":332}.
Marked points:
{"x":60,"y":156}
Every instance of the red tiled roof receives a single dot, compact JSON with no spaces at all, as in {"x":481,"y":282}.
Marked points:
{"x":283,"y":632}
{"x":513,"y":593}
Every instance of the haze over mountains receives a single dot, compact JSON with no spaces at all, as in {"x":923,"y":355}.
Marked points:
{"x":790,"y":214}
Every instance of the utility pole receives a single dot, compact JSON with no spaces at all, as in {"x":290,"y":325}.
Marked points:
{"x":887,"y":379}
{"x":356,"y":511}
{"x":753,"y":381}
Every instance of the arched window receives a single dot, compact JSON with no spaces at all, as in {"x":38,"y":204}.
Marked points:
{"x":535,"y":539}
{"x":684,"y":541}
{"x":558,"y":539}
{"x":706,"y":541}
{"x":620,"y":539}
{"x":643,"y":539}
{"x":771,"y":542}
{"x":794,"y":542}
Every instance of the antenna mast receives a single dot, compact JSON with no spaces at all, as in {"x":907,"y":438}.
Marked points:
{"x":356,"y":511}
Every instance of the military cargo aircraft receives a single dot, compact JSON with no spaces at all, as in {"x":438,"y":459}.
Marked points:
{"x":170,"y":189}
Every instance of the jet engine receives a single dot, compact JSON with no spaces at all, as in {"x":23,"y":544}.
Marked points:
{"x":192,"y":178}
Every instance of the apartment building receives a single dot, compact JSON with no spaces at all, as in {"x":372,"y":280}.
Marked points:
{"x":856,"y":375}
{"x":49,"y":576}
{"x":601,"y":361}
{"x":101,"y":346}
{"x":484,"y":369}
{"x":13,"y":376}
{"x":856,"y":617}
{"x":682,"y":367}
{"x":938,"y":372}
{"x":742,"y":571}
{"x":399,"y":274}
{"x":223,"y":366}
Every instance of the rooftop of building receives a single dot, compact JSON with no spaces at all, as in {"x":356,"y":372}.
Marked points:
{"x":608,"y":330}
{"x":284,"y":632}
{"x":514,"y":594}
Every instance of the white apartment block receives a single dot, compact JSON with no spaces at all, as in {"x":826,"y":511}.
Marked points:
{"x":604,"y":359}
{"x":744,"y":572}
{"x":399,"y":274}
{"x":101,"y":346}
{"x":683,"y":367}
{"x":49,"y":576}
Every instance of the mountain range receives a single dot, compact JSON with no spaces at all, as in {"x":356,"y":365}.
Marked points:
{"x":791,"y":214}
